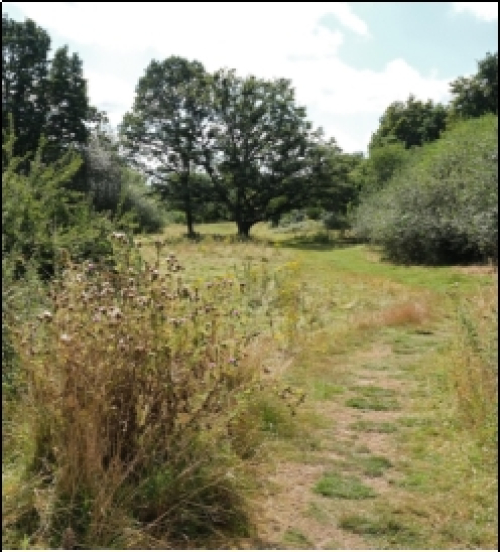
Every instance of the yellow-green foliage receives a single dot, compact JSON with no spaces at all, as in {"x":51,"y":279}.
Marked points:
{"x":140,"y":404}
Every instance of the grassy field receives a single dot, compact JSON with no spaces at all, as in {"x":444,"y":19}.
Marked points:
{"x":378,"y":456}
{"x":381,"y":457}
{"x":393,"y":446}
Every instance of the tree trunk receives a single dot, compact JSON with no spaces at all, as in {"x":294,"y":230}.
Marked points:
{"x":189,"y":221}
{"x":244,"y":228}
{"x":189,"y":224}
{"x":188,"y":209}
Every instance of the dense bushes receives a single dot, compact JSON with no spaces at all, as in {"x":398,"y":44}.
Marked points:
{"x":443,"y":207}
{"x":139,"y":204}
{"x":40,"y":216}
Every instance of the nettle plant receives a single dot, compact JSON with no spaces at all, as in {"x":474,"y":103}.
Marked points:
{"x":143,"y":395}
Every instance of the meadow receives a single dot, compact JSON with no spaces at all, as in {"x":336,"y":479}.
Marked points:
{"x":292,"y":391}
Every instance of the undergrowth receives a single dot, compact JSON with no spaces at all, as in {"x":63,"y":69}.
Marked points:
{"x":140,"y":419}
{"x":475,"y":372}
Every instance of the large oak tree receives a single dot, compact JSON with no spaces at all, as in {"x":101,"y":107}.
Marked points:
{"x":259,"y":151}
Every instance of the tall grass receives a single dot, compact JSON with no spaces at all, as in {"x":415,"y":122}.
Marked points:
{"x":142,"y":406}
{"x":475,"y":371}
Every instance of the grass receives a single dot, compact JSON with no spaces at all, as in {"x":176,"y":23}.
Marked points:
{"x":368,"y":426}
{"x":374,"y":466}
{"x":333,"y":485}
{"x":373,"y":402}
{"x":296,"y":538}
{"x":324,"y":391}
{"x":386,"y":528}
{"x":363,"y":365}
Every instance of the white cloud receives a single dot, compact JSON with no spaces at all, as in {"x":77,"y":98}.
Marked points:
{"x":345,"y":15}
{"x":486,"y":11}
{"x":268,"y":39}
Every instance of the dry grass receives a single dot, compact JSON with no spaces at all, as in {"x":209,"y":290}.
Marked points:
{"x":142,"y":404}
{"x":411,"y":312}
{"x":475,"y":366}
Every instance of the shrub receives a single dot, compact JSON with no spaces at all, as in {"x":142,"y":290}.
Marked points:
{"x":336,"y":221}
{"x":444,"y":207}
{"x":147,"y":214}
{"x":292,"y":218}
{"x":176,"y":217}
{"x":140,"y":403}
{"x":39,"y":216}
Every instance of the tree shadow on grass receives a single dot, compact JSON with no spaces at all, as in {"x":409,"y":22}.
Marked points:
{"x":319,"y":242}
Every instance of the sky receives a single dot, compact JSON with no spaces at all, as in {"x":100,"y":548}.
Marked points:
{"x":348,"y":61}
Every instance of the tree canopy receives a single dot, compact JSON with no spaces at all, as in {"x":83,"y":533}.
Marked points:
{"x":413,"y":123}
{"x":165,"y":129}
{"x":44,"y":97}
{"x":477,"y":95}
{"x":25,"y":48}
{"x":260,"y":153}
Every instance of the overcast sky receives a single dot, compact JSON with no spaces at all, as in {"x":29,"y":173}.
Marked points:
{"x":347,"y":60}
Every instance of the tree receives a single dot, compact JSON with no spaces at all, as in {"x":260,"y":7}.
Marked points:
{"x":412,"y":122}
{"x":164,"y":131}
{"x":25,"y":66}
{"x":477,"y":95}
{"x":259,"y":150}
{"x":103,"y":172}
{"x":340,"y":184}
{"x":45,"y":98}
{"x":382,"y":165}
{"x":68,"y":101}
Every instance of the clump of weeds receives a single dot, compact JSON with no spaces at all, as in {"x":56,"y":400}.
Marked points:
{"x":138,"y":424}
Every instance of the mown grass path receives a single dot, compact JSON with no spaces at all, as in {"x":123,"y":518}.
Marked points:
{"x":378,"y":460}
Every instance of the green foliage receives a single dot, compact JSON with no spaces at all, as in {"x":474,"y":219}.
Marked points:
{"x":21,"y":297}
{"x":384,"y":163}
{"x":44,"y":97}
{"x":204,"y":205}
{"x":443,"y":207}
{"x":260,"y":152}
{"x":413,"y":123}
{"x":68,"y":101}
{"x":117,"y":189}
{"x":40,"y":216}
{"x":166,"y":128}
{"x":25,"y":48}
{"x":138,"y":201}
{"x":340,"y":185}
{"x":477,"y":95}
